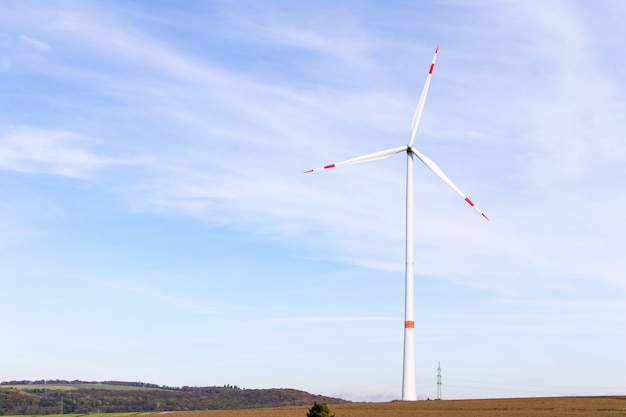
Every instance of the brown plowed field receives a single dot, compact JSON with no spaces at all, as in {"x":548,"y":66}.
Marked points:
{"x":517,"y":407}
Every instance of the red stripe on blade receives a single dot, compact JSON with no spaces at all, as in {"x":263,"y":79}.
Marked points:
{"x":485,"y":216}
{"x":409,"y":324}
{"x":329,"y":166}
{"x":469,"y":201}
{"x":310,"y":170}
{"x":432,"y":66}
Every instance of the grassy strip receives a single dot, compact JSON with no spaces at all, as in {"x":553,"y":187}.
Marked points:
{"x":112,"y":387}
{"x":90,"y":415}
{"x":69,"y":387}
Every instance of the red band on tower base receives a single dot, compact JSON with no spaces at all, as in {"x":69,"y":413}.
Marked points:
{"x":409,"y":324}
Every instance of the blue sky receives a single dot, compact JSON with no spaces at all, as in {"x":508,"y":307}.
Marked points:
{"x":156,"y":226}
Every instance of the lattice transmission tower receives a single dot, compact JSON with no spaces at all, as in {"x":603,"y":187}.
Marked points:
{"x":439,"y":381}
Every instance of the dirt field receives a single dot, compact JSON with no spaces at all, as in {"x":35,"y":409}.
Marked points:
{"x":524,"y":407}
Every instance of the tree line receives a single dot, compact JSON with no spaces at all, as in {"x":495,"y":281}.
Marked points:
{"x":83,"y":401}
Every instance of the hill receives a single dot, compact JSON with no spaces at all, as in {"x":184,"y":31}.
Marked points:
{"x":78,"y":397}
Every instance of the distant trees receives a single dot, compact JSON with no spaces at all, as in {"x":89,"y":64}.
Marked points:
{"x":38,"y":401}
{"x":319,"y":410}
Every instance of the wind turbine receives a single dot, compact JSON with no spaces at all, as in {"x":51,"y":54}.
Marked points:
{"x":409,"y":389}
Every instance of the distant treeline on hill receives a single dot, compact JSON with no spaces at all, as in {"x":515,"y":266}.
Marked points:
{"x":98,"y":383}
{"x":30,"y":397}
{"x":95,"y":383}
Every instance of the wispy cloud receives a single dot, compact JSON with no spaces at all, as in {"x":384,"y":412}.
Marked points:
{"x":212,"y":168}
{"x":165,"y":299}
{"x":55,"y":152}
{"x":34,"y":43}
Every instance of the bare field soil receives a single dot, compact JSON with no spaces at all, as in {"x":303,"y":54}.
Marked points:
{"x":516,"y":407}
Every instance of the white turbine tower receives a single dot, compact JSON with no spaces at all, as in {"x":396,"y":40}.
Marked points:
{"x":409,"y":389}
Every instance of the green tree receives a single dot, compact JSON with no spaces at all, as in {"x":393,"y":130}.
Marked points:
{"x":319,"y":410}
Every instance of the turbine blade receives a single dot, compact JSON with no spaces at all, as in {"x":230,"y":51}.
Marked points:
{"x":365,"y":158}
{"x":434,"y":168}
{"x":417,"y":116}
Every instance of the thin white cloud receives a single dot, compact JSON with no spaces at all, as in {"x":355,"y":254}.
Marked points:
{"x":55,"y":152}
{"x":309,"y":320}
{"x":250,"y":189}
{"x":34,"y":43}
